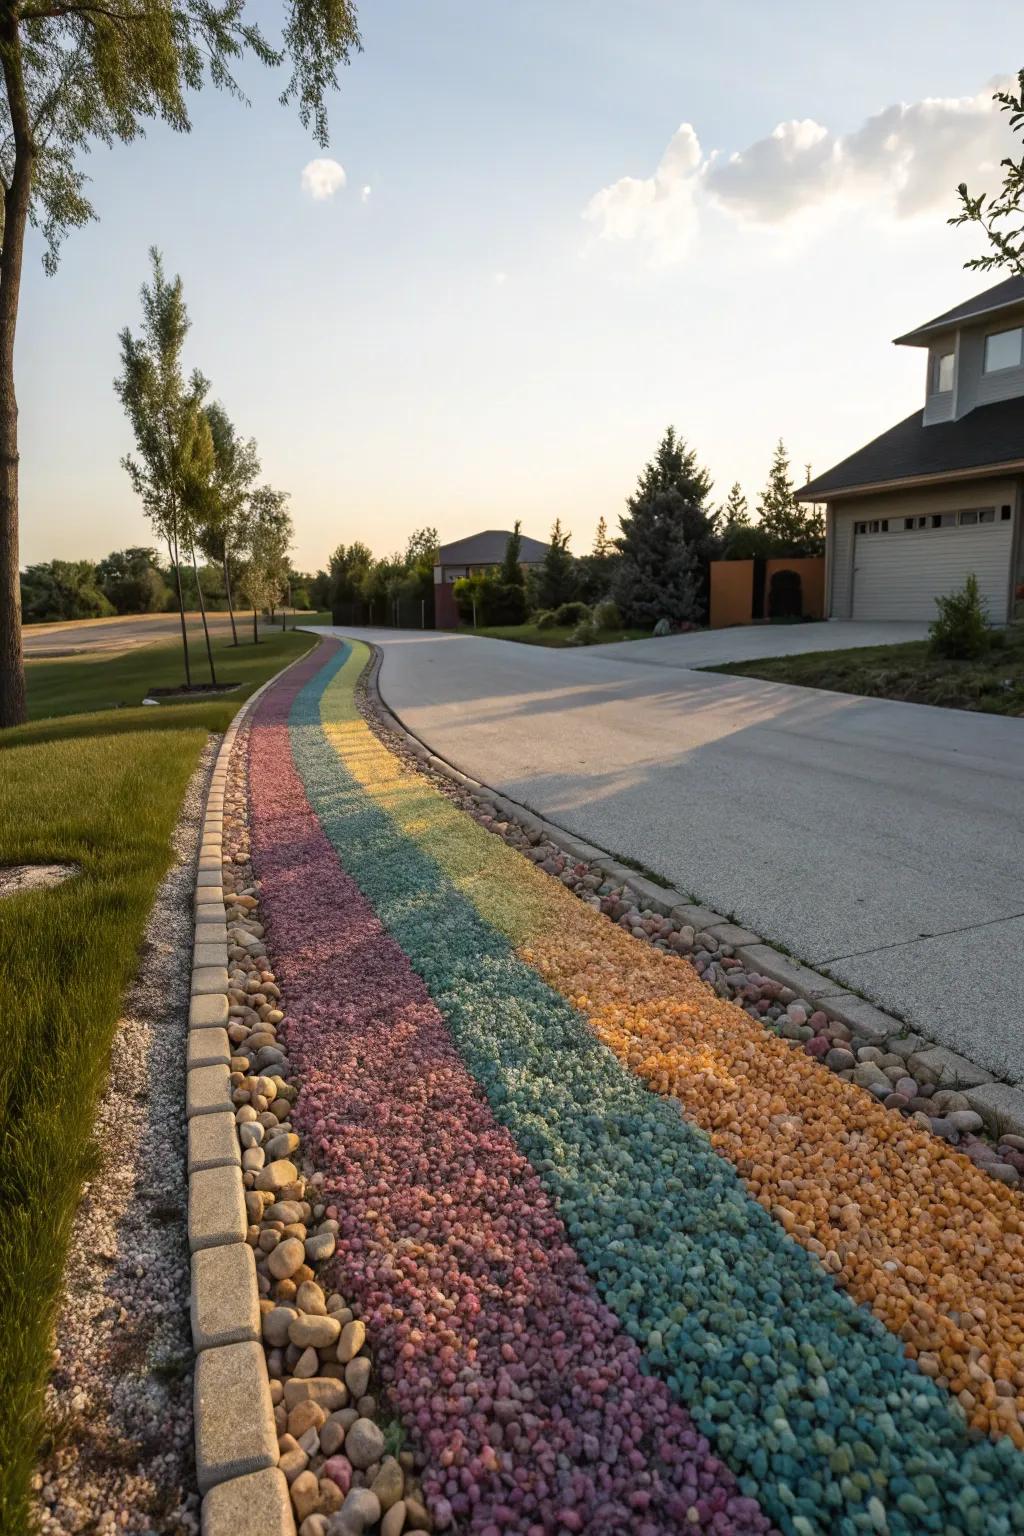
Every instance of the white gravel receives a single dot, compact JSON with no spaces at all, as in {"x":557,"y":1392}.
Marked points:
{"x":119,"y":1402}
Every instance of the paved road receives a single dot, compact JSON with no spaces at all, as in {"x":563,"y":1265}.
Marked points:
{"x":882,"y":840}
{"x":80,"y":637}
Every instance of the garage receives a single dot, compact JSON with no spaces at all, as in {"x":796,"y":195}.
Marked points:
{"x":902,"y":564}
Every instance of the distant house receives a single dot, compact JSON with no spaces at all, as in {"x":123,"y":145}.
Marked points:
{"x":465,"y":557}
{"x":939,"y":496}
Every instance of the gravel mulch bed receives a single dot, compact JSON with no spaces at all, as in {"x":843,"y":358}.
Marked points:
{"x":913,"y":1228}
{"x":119,"y":1403}
{"x":521,"y":1391}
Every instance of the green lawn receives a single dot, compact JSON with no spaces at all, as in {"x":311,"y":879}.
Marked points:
{"x":994,"y":685}
{"x":72,"y":789}
{"x":529,"y":634}
{"x":71,"y":684}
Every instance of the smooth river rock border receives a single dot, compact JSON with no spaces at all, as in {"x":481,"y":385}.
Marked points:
{"x":235,"y":1434}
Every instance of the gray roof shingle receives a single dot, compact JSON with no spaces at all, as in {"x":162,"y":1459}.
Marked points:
{"x":489,"y":549}
{"x":986,"y":438}
{"x":1009,"y":292}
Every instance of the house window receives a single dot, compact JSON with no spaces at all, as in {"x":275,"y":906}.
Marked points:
{"x":942,"y":373}
{"x":987,"y":515}
{"x":1004,"y":514}
{"x":967,"y":519}
{"x":1003,"y":350}
{"x":908,"y":522}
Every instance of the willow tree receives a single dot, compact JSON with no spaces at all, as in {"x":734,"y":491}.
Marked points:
{"x":78,"y":72}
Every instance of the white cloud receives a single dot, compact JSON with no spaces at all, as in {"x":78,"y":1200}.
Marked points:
{"x":500,"y":279}
{"x":322,"y":178}
{"x":364,"y":196}
{"x":904,"y":160}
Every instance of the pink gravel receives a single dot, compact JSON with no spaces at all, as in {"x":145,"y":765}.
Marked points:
{"x":522,"y":1396}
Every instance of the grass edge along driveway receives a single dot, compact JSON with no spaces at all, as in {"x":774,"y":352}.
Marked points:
{"x":994,"y":684}
{"x":102,"y":791}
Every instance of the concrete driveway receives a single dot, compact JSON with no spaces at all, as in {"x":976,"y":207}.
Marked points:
{"x":751,"y":642}
{"x":882,"y":842}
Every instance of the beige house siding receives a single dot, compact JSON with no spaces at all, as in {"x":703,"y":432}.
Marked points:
{"x":901,"y":572}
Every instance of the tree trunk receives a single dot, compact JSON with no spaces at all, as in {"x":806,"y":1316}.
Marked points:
{"x":255,"y":627}
{"x":175,"y":561}
{"x":202,"y":614}
{"x":227,"y":591}
{"x":16,"y":208}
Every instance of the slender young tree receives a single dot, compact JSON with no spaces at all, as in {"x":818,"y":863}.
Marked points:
{"x":267,"y":539}
{"x":604,"y":545}
{"x":77,"y":72}
{"x":511,"y":570}
{"x":166,"y":413}
{"x":236,"y":468}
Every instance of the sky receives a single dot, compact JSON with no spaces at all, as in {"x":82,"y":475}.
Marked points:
{"x":542,"y":231}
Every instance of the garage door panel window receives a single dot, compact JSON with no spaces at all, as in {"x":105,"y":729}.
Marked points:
{"x":968,"y":517}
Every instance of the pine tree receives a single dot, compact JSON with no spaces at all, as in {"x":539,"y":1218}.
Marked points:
{"x":788,"y":527}
{"x":557,"y":582}
{"x":603,"y":544}
{"x":511,"y":574}
{"x":667,"y":539}
{"x":735,"y":522}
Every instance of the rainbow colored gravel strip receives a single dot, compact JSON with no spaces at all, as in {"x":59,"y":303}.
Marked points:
{"x":908,"y":1227}
{"x":518,"y":1384}
{"x":803,"y":1391}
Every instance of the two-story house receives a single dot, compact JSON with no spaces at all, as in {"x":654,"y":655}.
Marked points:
{"x":939,"y":496}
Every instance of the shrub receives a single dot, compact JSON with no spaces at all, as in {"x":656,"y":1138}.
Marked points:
{"x":546,"y":620}
{"x":585,"y":633}
{"x":572,"y":613}
{"x":497,"y":602}
{"x":607,"y":615}
{"x":961,"y":631}
{"x":504,"y":603}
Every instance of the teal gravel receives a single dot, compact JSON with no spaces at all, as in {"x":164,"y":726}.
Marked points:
{"x":806,"y":1395}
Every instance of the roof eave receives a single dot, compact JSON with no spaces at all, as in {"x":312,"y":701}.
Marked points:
{"x":910,"y":482}
{"x":922,"y":336}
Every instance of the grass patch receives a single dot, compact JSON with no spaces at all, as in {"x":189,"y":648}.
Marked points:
{"x":529,"y":634}
{"x":72,"y":684}
{"x":994,"y":684}
{"x":72,"y":790}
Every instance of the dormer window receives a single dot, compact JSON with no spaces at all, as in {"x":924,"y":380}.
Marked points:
{"x":942,"y":372}
{"x":1003,"y":350}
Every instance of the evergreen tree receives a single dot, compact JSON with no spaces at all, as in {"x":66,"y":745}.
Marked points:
{"x":557,"y":583}
{"x":788,"y":527}
{"x":603,"y":544}
{"x":667,"y":539}
{"x":511,"y":574}
{"x":736,"y":527}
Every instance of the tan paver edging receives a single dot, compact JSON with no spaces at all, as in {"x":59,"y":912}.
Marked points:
{"x":1001,"y":1105}
{"x":235,"y":1434}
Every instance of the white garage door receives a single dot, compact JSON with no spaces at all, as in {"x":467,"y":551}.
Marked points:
{"x":897,"y":574}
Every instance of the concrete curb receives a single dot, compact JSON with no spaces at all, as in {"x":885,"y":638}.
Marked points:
{"x":235,"y":1434}
{"x":1001,"y":1105}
